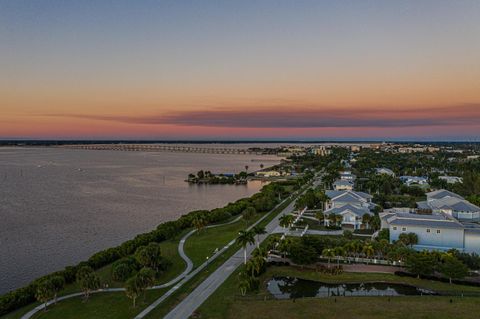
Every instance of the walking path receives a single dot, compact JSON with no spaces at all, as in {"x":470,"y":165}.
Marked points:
{"x":181,"y":252}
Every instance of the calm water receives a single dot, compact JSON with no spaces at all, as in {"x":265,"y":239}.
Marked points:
{"x":59,"y":206}
{"x":290,"y":288}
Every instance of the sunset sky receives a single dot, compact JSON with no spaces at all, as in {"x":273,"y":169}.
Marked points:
{"x":318,"y":70}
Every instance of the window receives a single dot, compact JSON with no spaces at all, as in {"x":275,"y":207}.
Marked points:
{"x":438,"y":231}
{"x":404,"y":229}
{"x":395,"y":228}
{"x":428,"y":230}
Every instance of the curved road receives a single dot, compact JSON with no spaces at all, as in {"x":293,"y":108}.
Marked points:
{"x":184,"y":274}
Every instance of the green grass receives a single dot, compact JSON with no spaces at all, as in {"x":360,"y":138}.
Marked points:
{"x":224,"y":304}
{"x":201,"y":245}
{"x":356,"y":307}
{"x":104,"y":305}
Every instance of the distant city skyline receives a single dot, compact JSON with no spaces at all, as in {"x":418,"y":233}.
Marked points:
{"x":241,"y":70}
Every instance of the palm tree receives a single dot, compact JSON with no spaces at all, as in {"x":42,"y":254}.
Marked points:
{"x":261,"y":166}
{"x":329,"y":253}
{"x":243,"y":282}
{"x":286,"y":220}
{"x":332,"y":219}
{"x":146,"y":278}
{"x":45,"y":291}
{"x":320,"y":216}
{"x":199,"y":223}
{"x":339,"y":252}
{"x":254,"y":265}
{"x":260,"y":252}
{"x":133,"y":289}
{"x":368,"y":251}
{"x":246,"y":169}
{"x":338,"y":220}
{"x":366,"y":220}
{"x":259,"y":230}
{"x":245,"y":237}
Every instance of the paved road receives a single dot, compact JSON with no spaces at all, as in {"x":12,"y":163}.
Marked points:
{"x":185,"y":309}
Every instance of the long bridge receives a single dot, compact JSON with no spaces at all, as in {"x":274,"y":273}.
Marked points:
{"x":161,"y":148}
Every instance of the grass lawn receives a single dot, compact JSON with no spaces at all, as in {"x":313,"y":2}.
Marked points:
{"x":201,"y":245}
{"x":356,"y":307}
{"x":224,"y":304}
{"x":105,"y":306}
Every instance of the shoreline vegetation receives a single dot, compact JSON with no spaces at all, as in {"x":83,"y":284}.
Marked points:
{"x":207,"y":177}
{"x":263,"y":201}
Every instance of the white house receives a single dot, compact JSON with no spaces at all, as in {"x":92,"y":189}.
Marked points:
{"x":347,"y":176}
{"x":384,"y":171}
{"x":351,"y":215}
{"x":341,"y":198}
{"x":435,"y":232}
{"x":446,"y":202}
{"x":342,"y":185}
{"x":451,"y":179}
{"x":414,"y":180}
{"x":268,"y":173}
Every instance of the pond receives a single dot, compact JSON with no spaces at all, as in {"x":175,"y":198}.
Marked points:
{"x":291,"y":288}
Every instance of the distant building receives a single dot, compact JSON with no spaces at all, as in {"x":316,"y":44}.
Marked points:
{"x":268,"y":173}
{"x":414,"y":180}
{"x":385,"y":171}
{"x":451,"y":179}
{"x":347,"y":176}
{"x":342,"y":185}
{"x":321,"y":151}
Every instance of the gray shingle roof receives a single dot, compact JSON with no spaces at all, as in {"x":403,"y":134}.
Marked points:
{"x":359,"y":211}
{"x":441,"y":193}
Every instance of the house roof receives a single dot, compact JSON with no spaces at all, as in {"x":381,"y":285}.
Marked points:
{"x":357,"y":210}
{"x":342,"y":182}
{"x":441,"y":193}
{"x":455,"y":204}
{"x":384,"y":170}
{"x":434,"y":221}
{"x":336,"y":194}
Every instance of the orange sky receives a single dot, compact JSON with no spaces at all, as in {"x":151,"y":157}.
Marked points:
{"x":141,"y":71}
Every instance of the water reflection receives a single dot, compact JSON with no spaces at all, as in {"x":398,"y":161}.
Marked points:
{"x":291,"y":287}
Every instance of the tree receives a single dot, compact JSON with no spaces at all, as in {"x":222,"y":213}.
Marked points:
{"x":248,"y":214}
{"x":302,"y":255}
{"x":366,"y":220}
{"x":368,"y":250}
{"x":246,"y":168}
{"x":259,"y":230}
{"x":245,"y":237}
{"x":45,"y":291}
{"x":146,"y":279}
{"x":151,"y":256}
{"x":243,"y":282}
{"x":384,"y":234}
{"x":408,"y":239}
{"x":421,"y":264}
{"x":332,"y":219}
{"x":133,"y":289}
{"x":452,"y":268}
{"x":339,"y":252}
{"x":329,"y":253}
{"x":348,"y":234}
{"x":88,"y":280}
{"x":199,"y":223}
{"x":286,"y":220}
{"x":58,"y":283}
{"x":254,"y":265}
{"x":320,"y":217}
